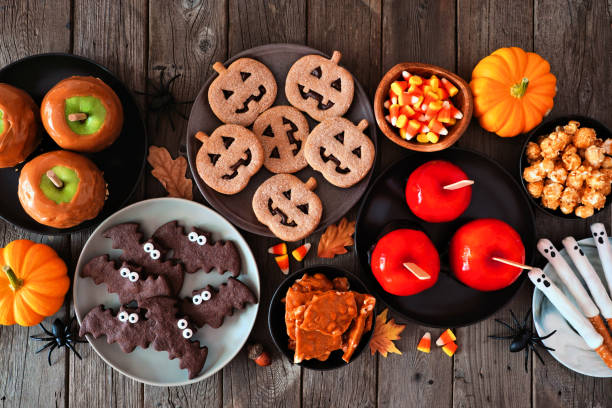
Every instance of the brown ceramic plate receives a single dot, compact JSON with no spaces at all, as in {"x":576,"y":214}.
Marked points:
{"x":237,"y":208}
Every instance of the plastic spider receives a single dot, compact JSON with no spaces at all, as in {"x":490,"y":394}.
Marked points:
{"x":61,"y":336}
{"x":523,"y":337}
{"x":162,"y":100}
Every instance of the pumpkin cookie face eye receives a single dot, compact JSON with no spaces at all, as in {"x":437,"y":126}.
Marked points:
{"x":241,"y":91}
{"x":340,"y":151}
{"x":319,"y":86}
{"x":282,"y":131}
{"x":228,"y":158}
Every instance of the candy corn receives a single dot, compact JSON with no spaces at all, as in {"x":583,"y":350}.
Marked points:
{"x":283,"y":263}
{"x":278,"y":249}
{"x":450,"y":88}
{"x":450,"y":348}
{"x":300,"y":252}
{"x":425,"y":343}
{"x":445,"y":338}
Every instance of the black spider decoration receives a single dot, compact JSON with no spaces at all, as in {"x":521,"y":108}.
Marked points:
{"x":162,"y":100}
{"x":61,"y":335}
{"x":523,"y":337}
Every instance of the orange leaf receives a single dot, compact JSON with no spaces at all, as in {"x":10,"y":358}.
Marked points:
{"x":384,"y":334}
{"x":170,"y":173}
{"x":336,"y":238}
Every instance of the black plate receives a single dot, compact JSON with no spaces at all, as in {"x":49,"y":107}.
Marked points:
{"x":122,"y":163}
{"x":278,"y":329}
{"x":495,"y":194}
{"x":545,"y":129}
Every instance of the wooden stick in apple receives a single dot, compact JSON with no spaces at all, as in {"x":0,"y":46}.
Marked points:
{"x":458,"y":185}
{"x":512,"y":263}
{"x":417,"y":271}
{"x":57,"y":182}
{"x":76,"y":117}
{"x":570,"y":313}
{"x":604,"y":248}
{"x":573,"y":284}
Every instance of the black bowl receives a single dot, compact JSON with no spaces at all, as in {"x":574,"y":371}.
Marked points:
{"x":546,"y":128}
{"x":122,"y":163}
{"x":278,"y":329}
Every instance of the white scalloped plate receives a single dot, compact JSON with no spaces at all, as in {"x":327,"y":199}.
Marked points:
{"x":570,"y":348}
{"x":147,"y":365}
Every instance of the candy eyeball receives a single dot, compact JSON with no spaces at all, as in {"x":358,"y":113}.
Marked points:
{"x":155,"y":254}
{"x":124,"y":272}
{"x":187,"y":333}
{"x":193,"y":236}
{"x":182,"y":324}
{"x":201,"y":240}
{"x":133,"y":276}
{"x":123,"y":316}
{"x":197,"y":299}
{"x":133,"y":318}
{"x":148,"y":247}
{"x":206,"y":295}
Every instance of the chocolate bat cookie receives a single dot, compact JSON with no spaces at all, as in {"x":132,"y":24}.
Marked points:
{"x":148,"y":254}
{"x":128,"y":327}
{"x":129,"y":282}
{"x":209,"y":306}
{"x":173,"y":334}
{"x":196,"y":249}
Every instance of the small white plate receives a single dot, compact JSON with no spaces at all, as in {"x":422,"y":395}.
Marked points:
{"x":570,"y":348}
{"x":147,"y":365}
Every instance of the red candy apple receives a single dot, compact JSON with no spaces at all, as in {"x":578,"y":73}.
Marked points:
{"x":426,"y":196}
{"x":405,"y":246}
{"x":473,"y":248}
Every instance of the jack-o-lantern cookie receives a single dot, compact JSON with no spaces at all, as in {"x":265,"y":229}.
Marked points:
{"x":340,"y":151}
{"x":319,"y":86}
{"x":288,"y":207}
{"x":228,"y":158}
{"x":282,"y":131}
{"x":241,"y":91}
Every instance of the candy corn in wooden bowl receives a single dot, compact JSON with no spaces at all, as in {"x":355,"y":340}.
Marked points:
{"x":422,"y":107}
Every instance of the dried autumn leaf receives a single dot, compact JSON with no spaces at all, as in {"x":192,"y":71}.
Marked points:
{"x":336,"y":238}
{"x":170,"y":173}
{"x":384,"y":334}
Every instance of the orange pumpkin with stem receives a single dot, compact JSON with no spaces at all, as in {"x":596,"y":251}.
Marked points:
{"x":513,"y":91}
{"x":33,"y":283}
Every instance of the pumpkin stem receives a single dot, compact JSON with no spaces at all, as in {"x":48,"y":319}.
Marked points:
{"x":14,"y":282}
{"x":518,"y":90}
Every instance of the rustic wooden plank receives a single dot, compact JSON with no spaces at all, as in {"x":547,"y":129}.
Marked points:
{"x":185,"y":38}
{"x":253,"y":23}
{"x":115,"y":35}
{"x":485,"y":374}
{"x":581,"y":61}
{"x":28,"y":29}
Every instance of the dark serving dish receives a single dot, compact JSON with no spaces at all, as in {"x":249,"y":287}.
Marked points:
{"x":278,"y":329}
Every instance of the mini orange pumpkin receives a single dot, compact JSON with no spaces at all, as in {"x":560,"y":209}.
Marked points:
{"x":513,"y":91}
{"x":33,"y":283}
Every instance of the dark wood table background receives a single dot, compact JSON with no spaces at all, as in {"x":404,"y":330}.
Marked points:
{"x":136,"y":38}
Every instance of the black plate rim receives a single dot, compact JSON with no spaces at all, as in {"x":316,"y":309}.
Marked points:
{"x":531,"y":136}
{"x":314,"y":269}
{"x":365,"y":268}
{"x":246,"y":53}
{"x":95,"y":221}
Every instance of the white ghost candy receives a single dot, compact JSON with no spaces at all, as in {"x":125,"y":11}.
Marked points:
{"x":604,"y":248}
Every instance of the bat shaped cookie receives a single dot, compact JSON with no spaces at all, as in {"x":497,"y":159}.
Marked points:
{"x":173,"y":334}
{"x":129,"y":282}
{"x":209,"y":306}
{"x":196,"y":249}
{"x":127,"y":327}
{"x":148,"y":254}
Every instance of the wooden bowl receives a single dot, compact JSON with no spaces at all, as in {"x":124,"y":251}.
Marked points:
{"x":463,"y":101}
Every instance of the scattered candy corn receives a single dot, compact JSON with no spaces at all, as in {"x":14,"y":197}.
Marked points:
{"x":300,"y":252}
{"x":421,"y":107}
{"x":450,"y":348}
{"x":283,"y":263}
{"x":445,"y":338}
{"x":425,"y":343}
{"x":278,"y":249}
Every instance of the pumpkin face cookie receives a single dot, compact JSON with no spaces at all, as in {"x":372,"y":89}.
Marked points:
{"x":228,"y":158}
{"x":340,"y":151}
{"x":241,"y":91}
{"x":288,"y":207}
{"x":319,"y":86}
{"x":282,"y":131}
